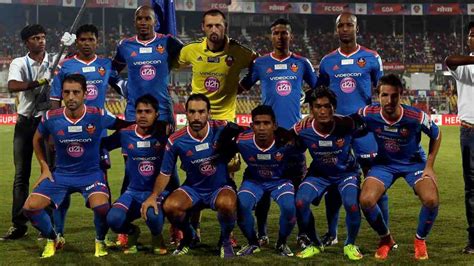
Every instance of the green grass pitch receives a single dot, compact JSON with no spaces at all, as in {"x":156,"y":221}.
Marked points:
{"x":445,"y":242}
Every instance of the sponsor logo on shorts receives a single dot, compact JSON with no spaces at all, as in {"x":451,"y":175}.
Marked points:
{"x":147,"y":72}
{"x":75,"y":149}
{"x":212,"y":84}
{"x":92,"y":92}
{"x":102,"y":186}
{"x":146,"y":168}
{"x":283,"y":87}
{"x":348,"y":84}
{"x":207,"y":168}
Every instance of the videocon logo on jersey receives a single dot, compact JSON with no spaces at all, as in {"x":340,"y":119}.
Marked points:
{"x":207,"y":168}
{"x":147,"y":72}
{"x":75,"y":149}
{"x":283,"y":87}
{"x":92,"y":92}
{"x":146,"y":168}
{"x":212,"y":84}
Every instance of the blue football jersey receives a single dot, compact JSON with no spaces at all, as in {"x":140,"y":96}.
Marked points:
{"x":262,"y":164}
{"x":77,"y":142}
{"x":205,"y":170}
{"x":331,"y":153}
{"x":281,"y":83}
{"x":144,"y":155}
{"x":399,"y":141}
{"x":97,"y":73}
{"x":149,"y":64}
{"x":351,"y":77}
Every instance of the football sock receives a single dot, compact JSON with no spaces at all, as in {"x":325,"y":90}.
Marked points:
{"x":100,"y":220}
{"x":41,"y":221}
{"x":246,"y":221}
{"x":425,"y":221}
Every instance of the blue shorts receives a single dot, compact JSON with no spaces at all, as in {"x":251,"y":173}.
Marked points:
{"x":203,"y":200}
{"x":320,"y":185}
{"x":387,"y":174}
{"x":87,"y":185}
{"x":131,"y":201}
{"x":365,"y":148}
{"x":276,"y":188}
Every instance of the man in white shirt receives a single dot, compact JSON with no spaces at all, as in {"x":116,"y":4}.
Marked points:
{"x":27,"y":75}
{"x":462,"y":69}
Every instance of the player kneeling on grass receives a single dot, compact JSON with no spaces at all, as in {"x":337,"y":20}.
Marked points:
{"x":328,"y":139}
{"x":397,"y":129}
{"x":76,"y":130}
{"x":266,"y":159}
{"x":144,"y":144}
{"x":207,"y":183}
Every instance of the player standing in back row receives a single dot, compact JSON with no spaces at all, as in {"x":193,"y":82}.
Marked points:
{"x":350,"y":72}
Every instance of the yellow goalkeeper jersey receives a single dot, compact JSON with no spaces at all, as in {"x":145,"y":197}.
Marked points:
{"x":217,"y":74}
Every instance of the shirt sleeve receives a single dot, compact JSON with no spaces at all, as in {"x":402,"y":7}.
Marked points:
{"x":42,"y":128}
{"x":429,"y":127}
{"x":169,"y":159}
{"x":323,"y":76}
{"x":463,"y":74}
{"x":111,"y":142}
{"x":15,"y":70}
{"x":251,"y":77}
{"x":108,"y":119}
{"x":119,"y":58}
{"x":174,"y":47}
{"x":309,"y":75}
{"x":56,"y":89}
{"x":183,"y":56}
{"x":377,"y":71}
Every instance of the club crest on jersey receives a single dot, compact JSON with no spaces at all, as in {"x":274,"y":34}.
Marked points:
{"x":278,"y":156}
{"x":130,"y":146}
{"x":90,"y":128}
{"x":294,"y":67}
{"x":160,"y":49}
{"x":189,"y":153}
{"x":404,"y":132}
{"x":229,"y":60}
{"x":340,"y":143}
{"x":101,"y":71}
{"x":314,"y":146}
{"x":158,"y":146}
{"x":269,"y":70}
{"x":361,"y":62}
{"x":133,"y":54}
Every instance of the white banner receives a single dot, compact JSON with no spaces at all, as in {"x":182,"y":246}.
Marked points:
{"x":470,"y":9}
{"x":131,"y":4}
{"x":69,"y":3}
{"x":417,"y":9}
{"x":303,"y":8}
{"x":361,"y":9}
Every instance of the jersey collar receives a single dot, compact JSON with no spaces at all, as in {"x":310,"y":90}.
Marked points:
{"x":321,"y":134}
{"x":226,"y":45}
{"x":348,"y":55}
{"x":145,"y":43}
{"x":391,"y":123}
{"x":86,"y":62}
{"x":196,"y":139}
{"x":280,"y":60}
{"x":74,"y":121}
{"x":139,"y":135}
{"x":261,"y":149}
